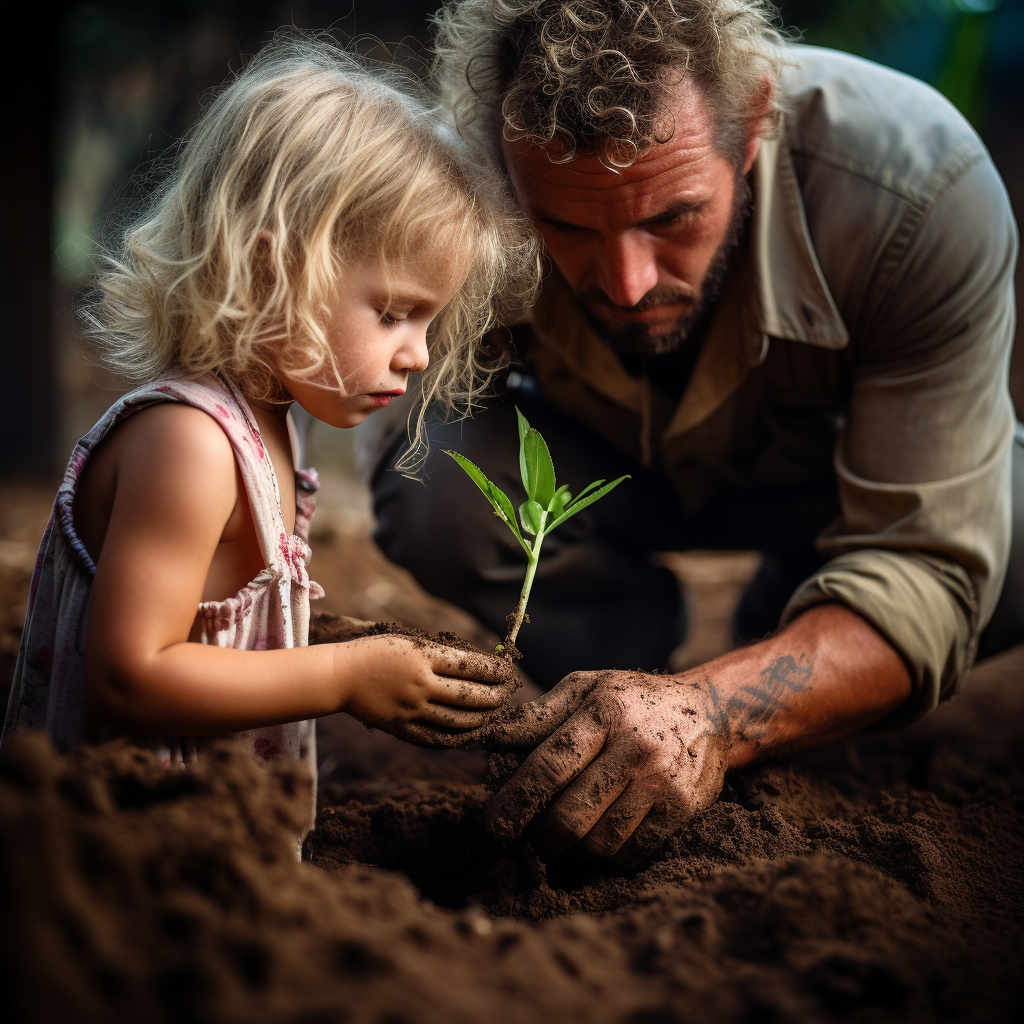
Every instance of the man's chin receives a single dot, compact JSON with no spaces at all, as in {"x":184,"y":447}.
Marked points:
{"x":641,"y":339}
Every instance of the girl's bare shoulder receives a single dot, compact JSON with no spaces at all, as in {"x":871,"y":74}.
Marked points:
{"x":167,"y":459}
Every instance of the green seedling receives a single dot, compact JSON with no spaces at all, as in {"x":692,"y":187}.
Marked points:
{"x":546,"y":507}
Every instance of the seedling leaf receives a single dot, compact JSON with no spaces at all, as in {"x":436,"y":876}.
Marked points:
{"x":545,"y":507}
{"x":494,"y":494}
{"x":558,"y":501}
{"x":535,"y":463}
{"x":524,"y":426}
{"x":530,"y":513}
{"x":586,"y":490}
{"x":579,"y":504}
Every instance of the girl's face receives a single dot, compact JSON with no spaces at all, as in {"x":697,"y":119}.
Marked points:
{"x":378,"y":336}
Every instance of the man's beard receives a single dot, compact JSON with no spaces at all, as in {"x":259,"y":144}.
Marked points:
{"x":637,"y":339}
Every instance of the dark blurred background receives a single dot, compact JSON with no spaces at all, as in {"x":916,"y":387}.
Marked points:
{"x":102,"y":88}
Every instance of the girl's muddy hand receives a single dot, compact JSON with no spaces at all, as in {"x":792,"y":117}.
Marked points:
{"x":424,"y":692}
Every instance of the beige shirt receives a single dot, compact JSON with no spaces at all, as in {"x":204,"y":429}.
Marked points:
{"x":865,"y":332}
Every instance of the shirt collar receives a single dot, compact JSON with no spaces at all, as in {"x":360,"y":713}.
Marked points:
{"x":794,"y":299}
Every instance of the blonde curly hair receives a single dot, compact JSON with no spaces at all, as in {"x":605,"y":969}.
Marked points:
{"x":592,"y":76}
{"x":307,"y":161}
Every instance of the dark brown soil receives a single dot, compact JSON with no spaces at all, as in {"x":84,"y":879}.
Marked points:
{"x":877,"y":880}
{"x":335,"y":629}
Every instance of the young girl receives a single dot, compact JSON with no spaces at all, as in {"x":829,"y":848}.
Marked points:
{"x":316,"y":230}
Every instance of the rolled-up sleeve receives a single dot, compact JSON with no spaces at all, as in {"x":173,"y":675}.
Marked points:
{"x":923,"y":459}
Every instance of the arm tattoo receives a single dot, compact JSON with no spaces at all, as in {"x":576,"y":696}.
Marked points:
{"x":749,"y":712}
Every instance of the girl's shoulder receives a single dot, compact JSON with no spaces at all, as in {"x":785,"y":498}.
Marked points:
{"x":213,"y":394}
{"x":228,"y":417}
{"x":170,"y":429}
{"x":175,"y":434}
{"x":156,"y":458}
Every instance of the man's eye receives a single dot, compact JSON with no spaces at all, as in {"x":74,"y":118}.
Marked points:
{"x":557,"y":225}
{"x":682,"y":219}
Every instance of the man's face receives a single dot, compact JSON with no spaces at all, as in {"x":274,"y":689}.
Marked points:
{"x":646,"y":249}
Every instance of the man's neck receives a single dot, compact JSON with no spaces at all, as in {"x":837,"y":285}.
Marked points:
{"x":671,"y":371}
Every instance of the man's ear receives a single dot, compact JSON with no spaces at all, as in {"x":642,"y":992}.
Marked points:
{"x":757,"y":121}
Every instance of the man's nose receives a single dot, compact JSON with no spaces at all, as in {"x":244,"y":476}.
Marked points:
{"x":627,"y":268}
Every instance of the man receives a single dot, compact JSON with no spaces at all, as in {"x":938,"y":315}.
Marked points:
{"x":781,"y":299}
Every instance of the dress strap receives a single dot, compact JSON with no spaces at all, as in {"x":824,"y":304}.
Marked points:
{"x":220,"y":399}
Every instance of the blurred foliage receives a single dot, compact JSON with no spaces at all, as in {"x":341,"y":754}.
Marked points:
{"x":965,"y":48}
{"x":130,"y":75}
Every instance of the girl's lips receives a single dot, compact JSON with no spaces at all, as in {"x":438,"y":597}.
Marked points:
{"x":382,"y":398}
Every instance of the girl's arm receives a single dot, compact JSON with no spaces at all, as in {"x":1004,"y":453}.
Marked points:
{"x":177,"y":499}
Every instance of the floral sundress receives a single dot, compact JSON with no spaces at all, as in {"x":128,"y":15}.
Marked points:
{"x":270,"y":613}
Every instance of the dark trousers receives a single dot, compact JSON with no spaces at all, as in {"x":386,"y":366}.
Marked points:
{"x":598,"y":600}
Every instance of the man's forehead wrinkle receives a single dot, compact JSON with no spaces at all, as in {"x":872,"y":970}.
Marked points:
{"x":630,"y":197}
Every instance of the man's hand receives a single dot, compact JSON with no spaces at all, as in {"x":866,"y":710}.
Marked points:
{"x":627,"y":757}
{"x":631,"y":757}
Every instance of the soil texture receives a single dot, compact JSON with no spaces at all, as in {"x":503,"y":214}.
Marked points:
{"x":878,"y":879}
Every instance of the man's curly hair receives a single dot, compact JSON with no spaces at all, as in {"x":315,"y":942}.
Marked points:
{"x":593,"y":76}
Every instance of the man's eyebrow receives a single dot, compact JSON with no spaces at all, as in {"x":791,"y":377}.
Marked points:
{"x":670,"y":213}
{"x":676,"y":209}
{"x":549,"y":218}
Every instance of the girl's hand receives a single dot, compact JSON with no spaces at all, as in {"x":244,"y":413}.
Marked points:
{"x":423,"y":692}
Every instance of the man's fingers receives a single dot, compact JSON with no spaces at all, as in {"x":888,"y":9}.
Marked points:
{"x":525,"y":726}
{"x":619,"y":821}
{"x":554,"y":764}
{"x":580,"y":806}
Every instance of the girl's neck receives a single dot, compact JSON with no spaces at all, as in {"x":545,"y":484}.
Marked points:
{"x":276,"y":409}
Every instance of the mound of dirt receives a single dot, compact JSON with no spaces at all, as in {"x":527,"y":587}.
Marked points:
{"x":134,"y":893}
{"x":876,"y":880}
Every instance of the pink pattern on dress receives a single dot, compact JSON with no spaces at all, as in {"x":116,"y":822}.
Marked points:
{"x":257,"y":440}
{"x":78,"y":459}
{"x":266,"y":749}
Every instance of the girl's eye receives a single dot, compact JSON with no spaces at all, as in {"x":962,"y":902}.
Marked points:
{"x":388,"y":317}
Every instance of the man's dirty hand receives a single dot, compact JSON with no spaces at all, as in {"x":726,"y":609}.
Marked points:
{"x":625,"y":758}
{"x":628,"y":757}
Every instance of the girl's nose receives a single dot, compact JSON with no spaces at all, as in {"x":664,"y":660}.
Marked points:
{"x":627,"y":268}
{"x":412,"y":356}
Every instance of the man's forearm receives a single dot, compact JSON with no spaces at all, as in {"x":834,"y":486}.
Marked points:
{"x":826,"y":675}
